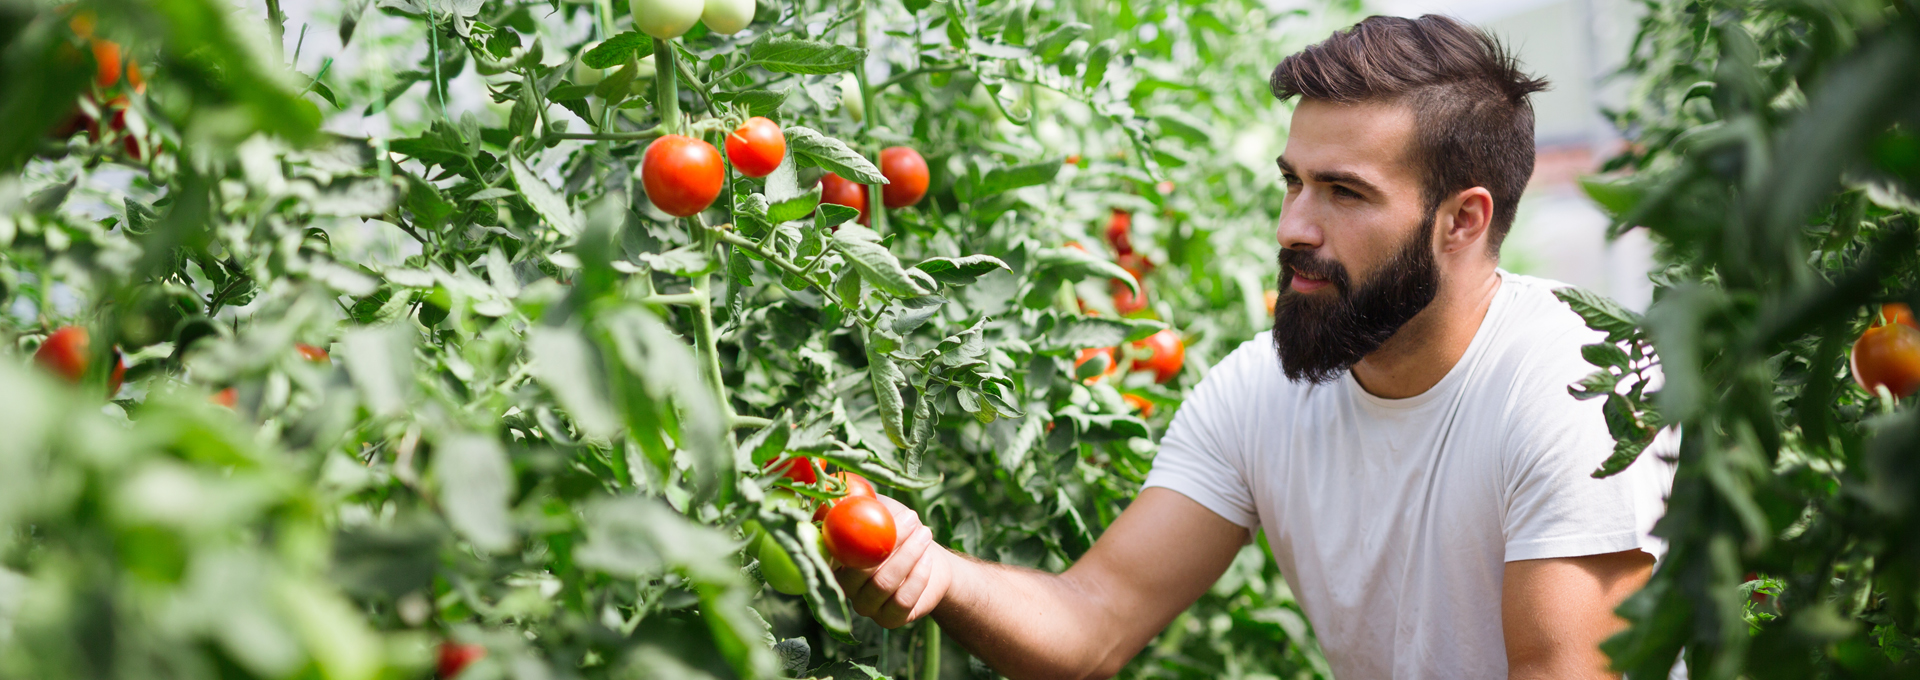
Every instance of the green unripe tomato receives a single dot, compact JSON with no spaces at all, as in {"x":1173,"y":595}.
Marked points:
{"x":850,"y":98}
{"x":777,"y":567}
{"x":584,"y":74}
{"x":728,"y":16}
{"x":666,"y":19}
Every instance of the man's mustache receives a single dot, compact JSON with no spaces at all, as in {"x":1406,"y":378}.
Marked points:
{"x":1305,"y":262}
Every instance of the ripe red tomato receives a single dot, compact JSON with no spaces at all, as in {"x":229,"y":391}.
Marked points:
{"x":1888,"y":355}
{"x":1139,"y":403}
{"x":229,"y":397}
{"x":1073,"y":159}
{"x":856,"y":485}
{"x":1120,"y":232}
{"x":310,"y":353}
{"x":800,"y":469}
{"x":757,"y":147}
{"x":1124,"y":300}
{"x":906,"y":173}
{"x":1105,"y":364}
{"x":1897,"y":313}
{"x":682,"y":174}
{"x":860,"y":532}
{"x":65,"y":353}
{"x":1165,"y":355}
{"x":456,"y":656}
{"x":842,"y":191}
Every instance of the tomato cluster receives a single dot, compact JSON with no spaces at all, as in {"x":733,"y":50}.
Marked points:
{"x":906,"y":174}
{"x":115,"y":75}
{"x":856,"y":528}
{"x":64,"y":352}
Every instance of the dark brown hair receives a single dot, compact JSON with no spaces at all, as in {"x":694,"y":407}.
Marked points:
{"x":1469,"y":97}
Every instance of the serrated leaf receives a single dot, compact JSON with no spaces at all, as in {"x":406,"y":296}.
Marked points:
{"x":1081,"y":332}
{"x":1605,"y":355}
{"x":831,"y":215}
{"x":1601,"y":313}
{"x":475,"y":483}
{"x":960,"y":271}
{"x":756,"y":102}
{"x":888,"y":380}
{"x":1072,"y":263}
{"x":795,"y":207}
{"x":617,"y":49}
{"x":551,"y":206}
{"x":832,"y":154}
{"x":1000,"y":180}
{"x":790,"y":55}
{"x":876,"y":264}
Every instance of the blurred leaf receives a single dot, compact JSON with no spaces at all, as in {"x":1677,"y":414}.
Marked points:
{"x":789,"y":55}
{"x":475,"y":482}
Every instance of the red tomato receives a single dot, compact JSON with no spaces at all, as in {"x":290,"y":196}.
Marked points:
{"x":757,"y":147}
{"x":65,"y":353}
{"x":682,"y":174}
{"x":860,"y":532}
{"x":229,"y":397}
{"x":906,"y":173}
{"x":1073,"y":159}
{"x":1125,"y":301}
{"x":842,"y":191}
{"x":800,"y":469}
{"x":856,"y":485}
{"x":455,"y":657}
{"x":310,"y":353}
{"x":1897,"y":313}
{"x":1165,"y":355}
{"x":1888,"y":355}
{"x":1075,"y":245}
{"x":1103,"y":355}
{"x":106,"y":57}
{"x":1139,"y":403}
{"x":1120,"y":232}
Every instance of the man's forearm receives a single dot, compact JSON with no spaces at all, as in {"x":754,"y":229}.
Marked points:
{"x":1026,"y":623}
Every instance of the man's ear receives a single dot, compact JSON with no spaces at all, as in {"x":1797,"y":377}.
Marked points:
{"x":1471,"y":213}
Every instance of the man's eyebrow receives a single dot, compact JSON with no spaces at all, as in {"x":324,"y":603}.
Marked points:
{"x":1330,"y":176}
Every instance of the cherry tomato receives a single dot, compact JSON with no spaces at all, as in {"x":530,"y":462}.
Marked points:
{"x":800,"y":469}
{"x":842,"y":191}
{"x":860,"y":532}
{"x":1073,"y":159}
{"x":456,"y":656}
{"x":1125,"y":301}
{"x":666,"y":19}
{"x":1120,"y":232}
{"x":728,"y":17}
{"x":1897,"y":313}
{"x":1139,"y":403}
{"x":1888,"y":355}
{"x":229,"y":397}
{"x":65,"y":353}
{"x":1165,"y":355}
{"x":757,"y":147}
{"x":906,"y":173}
{"x":682,"y":174}
{"x":310,"y":353}
{"x":855,"y":484}
{"x":1095,"y":363}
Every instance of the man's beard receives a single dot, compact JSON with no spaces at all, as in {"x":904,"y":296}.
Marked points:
{"x":1320,"y":337}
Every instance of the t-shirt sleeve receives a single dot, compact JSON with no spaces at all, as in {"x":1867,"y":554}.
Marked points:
{"x":1201,"y":456}
{"x":1555,"y":507}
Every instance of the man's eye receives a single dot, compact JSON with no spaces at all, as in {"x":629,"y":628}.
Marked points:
{"x":1290,"y":180}
{"x":1345,"y":192}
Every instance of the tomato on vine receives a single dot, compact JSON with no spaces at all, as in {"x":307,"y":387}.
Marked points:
{"x":682,"y":174}
{"x":855,"y":485}
{"x":906,"y":173}
{"x":842,"y":191}
{"x":1095,"y":363}
{"x":800,"y":469}
{"x":860,"y":532}
{"x":666,"y":19}
{"x":756,"y":147}
{"x":455,"y":657}
{"x":727,"y":17}
{"x":1139,"y":403}
{"x":1120,"y":232}
{"x":311,"y":353}
{"x":776,"y":566}
{"x":1887,"y":355}
{"x":1165,"y":355}
{"x":65,"y":354}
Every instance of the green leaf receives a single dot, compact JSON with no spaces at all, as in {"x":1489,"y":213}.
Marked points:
{"x":380,"y":362}
{"x":475,"y":483}
{"x":833,"y":155}
{"x":618,"y":49}
{"x":831,"y":215}
{"x":790,"y":55}
{"x":756,"y":102}
{"x":1000,"y":180}
{"x":1097,"y":59}
{"x":796,"y":207}
{"x":1601,"y":313}
{"x":1057,"y":40}
{"x":960,"y":271}
{"x":1605,"y":355}
{"x":888,"y":380}
{"x":563,"y":360}
{"x":1081,"y":332}
{"x":551,"y":206}
{"x":1072,"y":263}
{"x":876,"y":264}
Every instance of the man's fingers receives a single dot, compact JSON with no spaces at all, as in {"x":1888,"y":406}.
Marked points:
{"x":938,"y":581}
{"x":888,"y":577}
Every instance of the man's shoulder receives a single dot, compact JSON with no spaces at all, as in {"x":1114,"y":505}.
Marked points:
{"x":1537,"y":327}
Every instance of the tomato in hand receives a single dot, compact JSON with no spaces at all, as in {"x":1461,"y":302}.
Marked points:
{"x":1888,"y":355}
{"x":855,"y":484}
{"x":456,"y":656}
{"x":800,"y":469}
{"x":860,"y":532}
{"x":842,"y":191}
{"x":906,"y":173}
{"x":682,"y":174}
{"x":310,"y":353}
{"x":1120,"y":232}
{"x":65,"y":353}
{"x":1166,"y":354}
{"x":757,"y":147}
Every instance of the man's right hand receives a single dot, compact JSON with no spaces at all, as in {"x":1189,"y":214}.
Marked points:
{"x":910,"y":583}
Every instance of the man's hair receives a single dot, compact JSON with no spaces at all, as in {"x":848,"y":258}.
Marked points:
{"x":1474,"y":125}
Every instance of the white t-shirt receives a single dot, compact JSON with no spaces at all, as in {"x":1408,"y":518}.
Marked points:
{"x":1392,"y":519}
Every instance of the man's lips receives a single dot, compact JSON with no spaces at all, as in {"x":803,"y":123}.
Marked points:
{"x":1302,"y":284}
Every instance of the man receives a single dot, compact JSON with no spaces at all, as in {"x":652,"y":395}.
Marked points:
{"x":1413,"y":455}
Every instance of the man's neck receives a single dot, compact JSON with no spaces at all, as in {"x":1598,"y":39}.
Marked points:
{"x":1423,"y":351}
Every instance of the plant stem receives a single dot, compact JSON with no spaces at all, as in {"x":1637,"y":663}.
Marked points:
{"x":749,"y":422}
{"x":876,"y":196}
{"x":666,"y":86}
{"x":744,"y":243}
{"x":930,"y":664}
{"x":681,"y":299}
{"x":703,"y":334}
{"x":904,"y":77}
{"x":277,"y":28}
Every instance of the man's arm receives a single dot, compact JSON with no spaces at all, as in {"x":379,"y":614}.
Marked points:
{"x":1556,"y":612}
{"x":1159,"y":556}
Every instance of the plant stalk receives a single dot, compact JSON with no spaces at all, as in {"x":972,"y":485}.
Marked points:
{"x":930,"y":663}
{"x":666,"y":86}
{"x":876,"y":196}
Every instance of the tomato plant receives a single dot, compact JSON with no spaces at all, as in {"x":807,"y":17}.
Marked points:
{"x":65,"y":353}
{"x":859,"y":532}
{"x":455,"y":657}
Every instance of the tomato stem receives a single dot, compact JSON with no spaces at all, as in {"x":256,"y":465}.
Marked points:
{"x":876,"y":199}
{"x":930,"y":664}
{"x":666,"y":83}
{"x":703,"y":333}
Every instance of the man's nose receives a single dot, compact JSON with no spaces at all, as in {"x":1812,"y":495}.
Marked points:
{"x":1298,"y":230}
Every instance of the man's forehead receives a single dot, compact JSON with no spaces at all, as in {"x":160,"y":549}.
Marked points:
{"x":1369,"y":140}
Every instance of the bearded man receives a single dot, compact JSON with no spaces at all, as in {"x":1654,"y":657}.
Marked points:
{"x":1420,"y":470}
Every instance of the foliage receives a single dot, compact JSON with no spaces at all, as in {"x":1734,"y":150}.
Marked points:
{"x":548,"y":404}
{"x":1774,"y":159}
